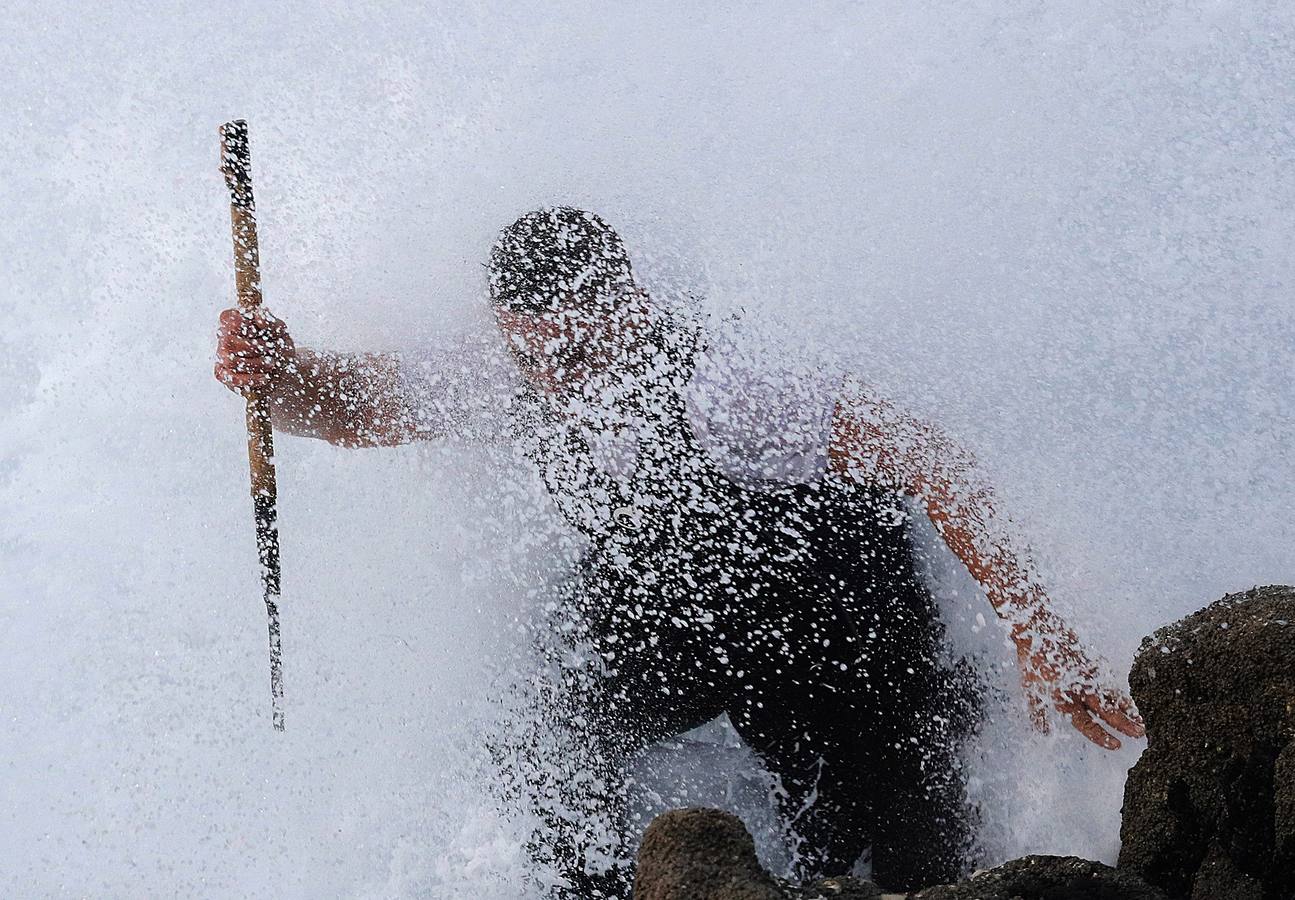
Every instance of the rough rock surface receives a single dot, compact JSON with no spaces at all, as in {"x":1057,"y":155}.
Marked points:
{"x":706,"y":854}
{"x":1047,"y":878}
{"x":1209,"y":809}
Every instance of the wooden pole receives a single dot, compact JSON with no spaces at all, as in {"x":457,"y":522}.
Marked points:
{"x":236,"y":164}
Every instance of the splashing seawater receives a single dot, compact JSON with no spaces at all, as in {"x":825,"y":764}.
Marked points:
{"x":1060,"y":235}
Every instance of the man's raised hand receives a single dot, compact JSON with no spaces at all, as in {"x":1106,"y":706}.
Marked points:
{"x":253,"y":349}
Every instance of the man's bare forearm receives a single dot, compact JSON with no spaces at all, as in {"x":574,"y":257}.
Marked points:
{"x":886,"y":446}
{"x":1006,"y":574}
{"x":353,"y":400}
{"x":874,"y":442}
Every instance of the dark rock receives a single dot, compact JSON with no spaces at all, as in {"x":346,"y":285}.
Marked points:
{"x":706,"y":854}
{"x":1219,"y":877}
{"x":1209,"y":809}
{"x":844,"y":887}
{"x":1047,"y":878}
{"x":700,"y":853}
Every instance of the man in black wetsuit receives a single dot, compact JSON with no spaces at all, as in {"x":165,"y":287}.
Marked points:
{"x":791,"y":602}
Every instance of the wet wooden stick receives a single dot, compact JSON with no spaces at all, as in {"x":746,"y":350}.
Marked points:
{"x":236,"y":164}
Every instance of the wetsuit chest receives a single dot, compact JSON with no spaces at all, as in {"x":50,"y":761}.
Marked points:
{"x":676,"y":518}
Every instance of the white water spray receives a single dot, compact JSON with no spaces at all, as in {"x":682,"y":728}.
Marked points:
{"x":1065,"y":234}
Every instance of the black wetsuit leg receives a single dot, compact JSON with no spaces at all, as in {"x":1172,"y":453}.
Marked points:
{"x":831,"y":671}
{"x":923,"y":827}
{"x":825,"y":781}
{"x":849,"y":703}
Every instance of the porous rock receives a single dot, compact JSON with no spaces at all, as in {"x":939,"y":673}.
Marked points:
{"x":1046,"y":878}
{"x":707,"y":854}
{"x":1209,"y":808}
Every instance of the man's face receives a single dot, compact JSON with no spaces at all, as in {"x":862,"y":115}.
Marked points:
{"x":559,"y":351}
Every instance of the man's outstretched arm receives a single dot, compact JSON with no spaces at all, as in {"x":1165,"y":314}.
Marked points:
{"x":877,"y":443}
{"x":353,"y":400}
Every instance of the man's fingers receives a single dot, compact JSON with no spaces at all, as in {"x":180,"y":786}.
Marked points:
{"x":242,"y":379}
{"x":257,"y":325}
{"x":252,"y":348}
{"x":1117,"y":712}
{"x":239,"y":378}
{"x":234,"y":362}
{"x":1084,"y":723}
{"x":232,"y":320}
{"x":235,"y":343}
{"x":1123,"y":724}
{"x":264,"y":365}
{"x":241,"y":353}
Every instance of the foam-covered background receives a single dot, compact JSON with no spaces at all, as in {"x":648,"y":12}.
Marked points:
{"x":1062,"y":230}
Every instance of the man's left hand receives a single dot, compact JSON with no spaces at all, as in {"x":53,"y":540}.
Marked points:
{"x":1059,"y":671}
